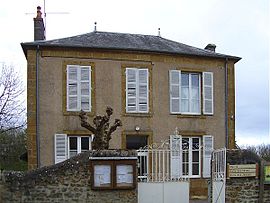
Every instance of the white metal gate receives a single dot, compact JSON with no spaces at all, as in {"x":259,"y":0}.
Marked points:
{"x":218,"y":175}
{"x":159,"y":179}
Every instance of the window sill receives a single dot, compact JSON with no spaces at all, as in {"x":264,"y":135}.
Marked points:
{"x":192,"y":116}
{"x":77,"y":113}
{"x":137,"y":114}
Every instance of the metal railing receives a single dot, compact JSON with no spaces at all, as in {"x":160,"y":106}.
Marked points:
{"x":160,"y":165}
{"x":219,"y":164}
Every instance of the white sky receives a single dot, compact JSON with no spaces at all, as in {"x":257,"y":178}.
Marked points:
{"x":237,"y":27}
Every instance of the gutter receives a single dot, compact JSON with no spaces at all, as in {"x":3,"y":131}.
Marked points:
{"x":37,"y":108}
{"x":226,"y":105}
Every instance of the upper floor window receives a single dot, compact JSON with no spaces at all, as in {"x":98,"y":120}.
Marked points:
{"x":137,"y":90}
{"x":78,"y":88}
{"x":186,"y":91}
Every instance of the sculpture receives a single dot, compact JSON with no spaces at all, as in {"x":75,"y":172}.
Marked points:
{"x":102,"y":130}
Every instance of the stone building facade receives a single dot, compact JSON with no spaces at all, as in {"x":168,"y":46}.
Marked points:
{"x":155,"y":86}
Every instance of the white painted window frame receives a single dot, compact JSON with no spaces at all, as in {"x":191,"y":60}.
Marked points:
{"x":137,"y":90}
{"x":79,"y":81}
{"x":79,"y":146}
{"x":202,"y":96}
{"x":189,"y":92}
{"x":190,"y":163}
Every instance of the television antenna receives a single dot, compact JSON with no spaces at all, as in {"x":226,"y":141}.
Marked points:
{"x":45,"y":14}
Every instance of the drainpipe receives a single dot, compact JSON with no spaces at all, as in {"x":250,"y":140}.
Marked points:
{"x":37,"y":108}
{"x":226,"y":105}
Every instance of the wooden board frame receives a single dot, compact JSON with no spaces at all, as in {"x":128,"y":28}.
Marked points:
{"x":113,"y":176}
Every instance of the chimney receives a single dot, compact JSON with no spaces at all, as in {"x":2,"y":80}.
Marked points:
{"x":39,"y":28}
{"x":211,"y":47}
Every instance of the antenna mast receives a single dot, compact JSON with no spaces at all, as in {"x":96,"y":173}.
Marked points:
{"x":45,"y":22}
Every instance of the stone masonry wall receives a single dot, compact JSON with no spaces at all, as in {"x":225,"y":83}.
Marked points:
{"x":68,"y":181}
{"x":242,"y":190}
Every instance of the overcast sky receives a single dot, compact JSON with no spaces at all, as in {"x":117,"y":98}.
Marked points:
{"x":237,"y":27}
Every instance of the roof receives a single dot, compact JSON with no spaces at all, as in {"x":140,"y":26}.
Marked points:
{"x":126,"y":42}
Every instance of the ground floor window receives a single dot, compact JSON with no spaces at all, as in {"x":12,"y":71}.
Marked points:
{"x":78,"y":144}
{"x":136,"y":142}
{"x":67,"y":146}
{"x":191,"y":156}
{"x":185,"y":156}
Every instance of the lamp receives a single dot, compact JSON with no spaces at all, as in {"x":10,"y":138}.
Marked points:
{"x":137,"y":128}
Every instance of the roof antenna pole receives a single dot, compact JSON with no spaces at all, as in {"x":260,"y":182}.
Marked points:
{"x":95,"y":28}
{"x":44,"y":18}
{"x":159,"y":32}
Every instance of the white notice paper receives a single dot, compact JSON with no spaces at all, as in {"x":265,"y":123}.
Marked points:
{"x":102,"y":174}
{"x":124,"y":174}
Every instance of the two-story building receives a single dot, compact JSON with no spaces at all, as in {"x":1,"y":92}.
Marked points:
{"x":154,"y":85}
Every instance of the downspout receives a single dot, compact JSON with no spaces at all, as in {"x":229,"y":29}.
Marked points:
{"x":226,"y":105}
{"x":37,"y":108}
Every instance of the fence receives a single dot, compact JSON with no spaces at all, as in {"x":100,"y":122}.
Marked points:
{"x":162,"y":164}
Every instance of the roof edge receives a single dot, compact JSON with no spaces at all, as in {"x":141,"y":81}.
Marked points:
{"x":28,"y":45}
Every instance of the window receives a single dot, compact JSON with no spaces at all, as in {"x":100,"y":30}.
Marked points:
{"x":69,"y":146}
{"x":186,"y":156}
{"x":137,"y":90}
{"x":78,"y":88}
{"x":191,"y":156}
{"x":77,"y":144}
{"x":136,"y":142}
{"x":185,"y":92}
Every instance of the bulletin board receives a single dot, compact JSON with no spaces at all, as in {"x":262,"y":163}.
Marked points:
{"x":113,"y":174}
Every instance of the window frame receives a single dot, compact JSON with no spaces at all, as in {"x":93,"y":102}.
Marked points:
{"x":189,"y":93}
{"x":137,"y":113}
{"x":175,"y":92}
{"x":190,"y":156}
{"x":124,"y":135}
{"x":137,"y":89}
{"x":77,"y":62}
{"x":79,"y":82}
{"x":79,"y":144}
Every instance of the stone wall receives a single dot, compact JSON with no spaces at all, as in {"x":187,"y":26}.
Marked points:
{"x":242,"y":190}
{"x":266,"y":195}
{"x":68,"y":181}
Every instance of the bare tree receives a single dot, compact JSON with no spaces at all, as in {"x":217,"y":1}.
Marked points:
{"x":102,"y":129}
{"x":12,"y":110}
{"x":262,"y":150}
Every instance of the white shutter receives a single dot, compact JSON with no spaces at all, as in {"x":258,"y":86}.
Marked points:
{"x":85,"y":88}
{"x":72,"y":88}
{"x":60,"y":147}
{"x":208,"y":145}
{"x":176,"y":156}
{"x":175,"y":91}
{"x":208,"y":93}
{"x":142,"y":95}
{"x":131,"y":90}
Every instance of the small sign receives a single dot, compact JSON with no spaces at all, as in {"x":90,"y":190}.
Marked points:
{"x":267,"y":174}
{"x":244,"y":170}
